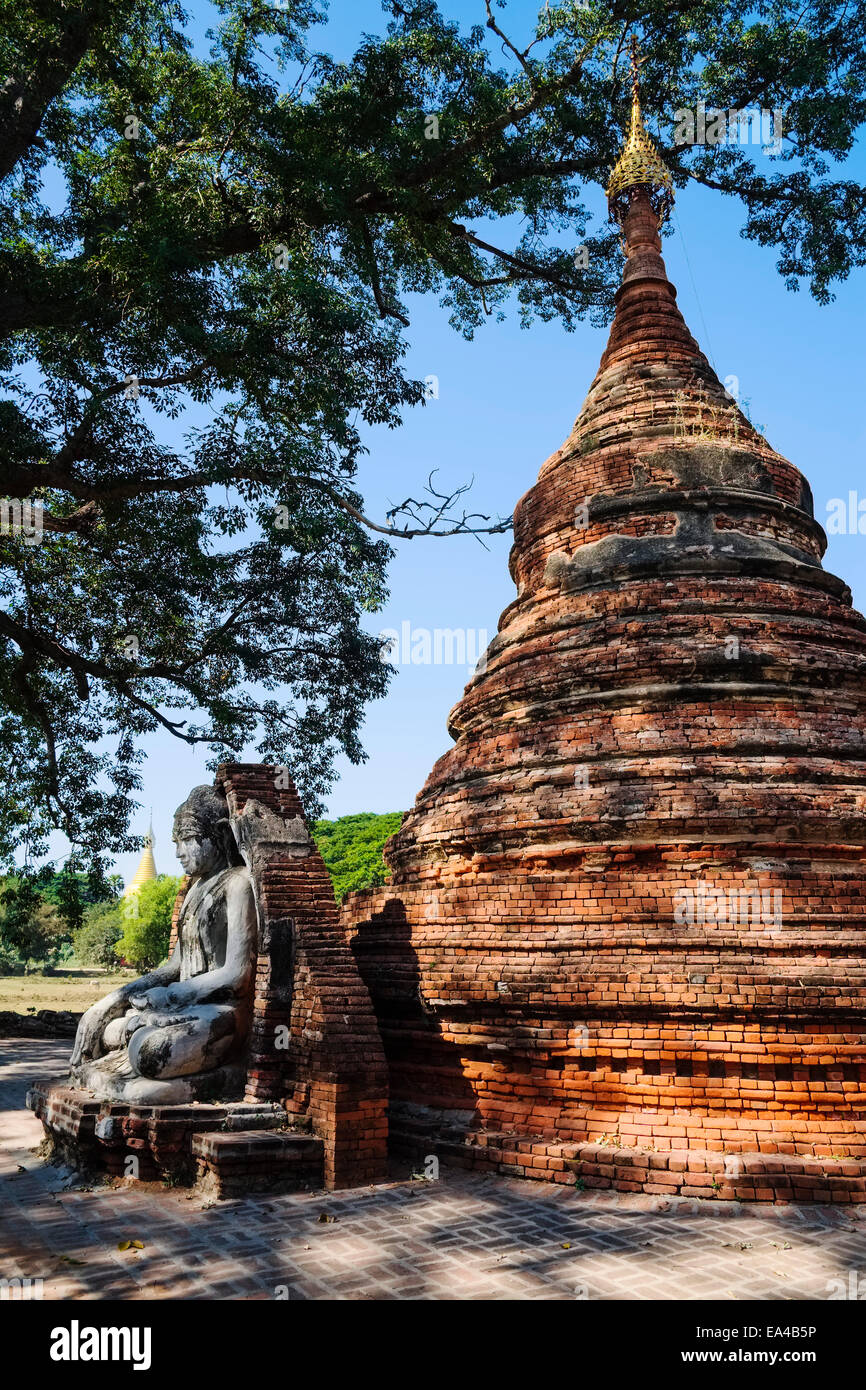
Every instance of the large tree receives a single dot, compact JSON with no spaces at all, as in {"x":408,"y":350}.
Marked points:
{"x":207,"y":250}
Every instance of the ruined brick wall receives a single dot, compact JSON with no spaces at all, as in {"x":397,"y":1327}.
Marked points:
{"x":175,"y":914}
{"x":45,"y":1023}
{"x":314,"y":1041}
{"x":668,"y":715}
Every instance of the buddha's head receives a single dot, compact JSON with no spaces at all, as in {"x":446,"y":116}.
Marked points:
{"x":202,"y":833}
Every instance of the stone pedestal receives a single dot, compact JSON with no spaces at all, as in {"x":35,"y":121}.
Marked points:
{"x":226,"y":1149}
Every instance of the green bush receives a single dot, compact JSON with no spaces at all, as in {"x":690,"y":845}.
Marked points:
{"x":146,"y":919}
{"x":73,"y":893}
{"x":11,"y":961}
{"x":352,"y":848}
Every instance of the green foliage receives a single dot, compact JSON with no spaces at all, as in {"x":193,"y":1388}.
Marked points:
{"x":206,"y":263}
{"x":11,"y":961}
{"x":72,"y":892}
{"x":352,"y":848}
{"x":146,"y":918}
{"x":95,"y":940}
{"x":89,"y":890}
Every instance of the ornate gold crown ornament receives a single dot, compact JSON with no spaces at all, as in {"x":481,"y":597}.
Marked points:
{"x":640,"y":165}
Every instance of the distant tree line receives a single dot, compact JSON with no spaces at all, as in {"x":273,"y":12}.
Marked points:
{"x":61,"y":918}
{"x":133,"y":930}
{"x":41,"y":912}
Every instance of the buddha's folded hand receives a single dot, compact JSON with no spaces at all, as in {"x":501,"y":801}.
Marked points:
{"x":159,"y":999}
{"x":152,"y":999}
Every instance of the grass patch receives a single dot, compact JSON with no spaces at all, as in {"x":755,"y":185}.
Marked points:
{"x":72,"y":988}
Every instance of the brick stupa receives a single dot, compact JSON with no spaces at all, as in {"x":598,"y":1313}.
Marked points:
{"x":624,"y":930}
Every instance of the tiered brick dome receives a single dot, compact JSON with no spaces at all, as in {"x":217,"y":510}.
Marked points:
{"x":628,"y":905}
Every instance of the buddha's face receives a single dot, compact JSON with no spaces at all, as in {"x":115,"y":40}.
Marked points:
{"x":199,"y":854}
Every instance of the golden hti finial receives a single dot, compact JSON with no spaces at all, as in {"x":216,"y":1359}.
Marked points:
{"x":640,"y":165}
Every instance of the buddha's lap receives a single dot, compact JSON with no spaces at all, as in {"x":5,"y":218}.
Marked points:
{"x":179,"y":1046}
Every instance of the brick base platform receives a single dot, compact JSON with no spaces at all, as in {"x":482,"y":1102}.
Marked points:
{"x":468,"y":1236}
{"x":224,"y":1149}
{"x":664,"y":1171}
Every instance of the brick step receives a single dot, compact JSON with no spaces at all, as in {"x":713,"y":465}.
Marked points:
{"x":93,"y":1134}
{"x":253,"y":1160}
{"x":246,"y":1115}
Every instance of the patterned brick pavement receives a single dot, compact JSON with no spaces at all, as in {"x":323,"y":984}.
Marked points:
{"x":464,"y":1237}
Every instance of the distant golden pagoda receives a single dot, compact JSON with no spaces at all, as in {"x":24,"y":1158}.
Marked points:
{"x":146,"y":870}
{"x":640,"y":166}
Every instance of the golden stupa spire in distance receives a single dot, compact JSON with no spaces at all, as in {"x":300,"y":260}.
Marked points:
{"x":640,"y":165}
{"x":146,"y":866}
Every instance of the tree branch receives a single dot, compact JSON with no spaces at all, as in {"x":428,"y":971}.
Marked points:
{"x":26,"y":96}
{"x":385,"y":310}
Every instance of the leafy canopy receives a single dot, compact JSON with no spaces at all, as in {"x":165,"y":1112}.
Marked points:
{"x":41,"y":913}
{"x":146,"y":917}
{"x":205,"y":257}
{"x":95,"y":940}
{"x":352,"y":848}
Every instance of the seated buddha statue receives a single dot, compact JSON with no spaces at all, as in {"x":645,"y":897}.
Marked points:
{"x":179,"y":1033}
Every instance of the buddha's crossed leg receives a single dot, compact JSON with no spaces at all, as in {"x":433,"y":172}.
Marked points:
{"x":164,"y":1044}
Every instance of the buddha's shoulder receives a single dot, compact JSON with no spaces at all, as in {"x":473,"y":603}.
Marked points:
{"x":231,"y":885}
{"x":239,"y":881}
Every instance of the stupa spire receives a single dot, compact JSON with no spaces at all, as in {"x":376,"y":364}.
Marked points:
{"x":640,"y":167}
{"x":648,"y":330}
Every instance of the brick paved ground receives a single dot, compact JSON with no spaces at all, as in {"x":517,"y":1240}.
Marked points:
{"x":463,"y":1237}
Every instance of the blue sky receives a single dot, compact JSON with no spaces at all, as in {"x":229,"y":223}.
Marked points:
{"x":508,"y":399}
